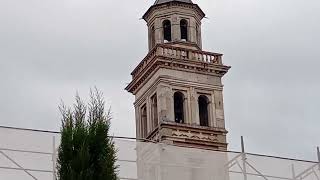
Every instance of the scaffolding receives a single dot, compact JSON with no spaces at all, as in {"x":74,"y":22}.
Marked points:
{"x":31,"y":154}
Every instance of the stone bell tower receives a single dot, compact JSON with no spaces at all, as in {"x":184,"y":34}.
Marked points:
{"x":177,"y":86}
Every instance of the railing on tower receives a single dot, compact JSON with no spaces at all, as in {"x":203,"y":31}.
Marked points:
{"x":178,"y":53}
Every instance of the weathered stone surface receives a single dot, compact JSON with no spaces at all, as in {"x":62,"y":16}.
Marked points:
{"x":183,"y":67}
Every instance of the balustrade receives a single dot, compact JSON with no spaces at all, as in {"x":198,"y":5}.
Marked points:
{"x":178,"y":53}
{"x":187,"y":54}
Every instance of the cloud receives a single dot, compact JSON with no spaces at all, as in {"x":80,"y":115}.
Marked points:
{"x":51,"y":49}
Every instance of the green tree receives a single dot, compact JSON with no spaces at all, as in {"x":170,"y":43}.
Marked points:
{"x":86,"y":151}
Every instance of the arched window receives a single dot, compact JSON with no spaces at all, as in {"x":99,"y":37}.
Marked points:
{"x":152,"y":36}
{"x":178,"y":107}
{"x":184,"y":29}
{"x":154,"y":110}
{"x":167,"y":30}
{"x":144,"y":123}
{"x":203,"y":110}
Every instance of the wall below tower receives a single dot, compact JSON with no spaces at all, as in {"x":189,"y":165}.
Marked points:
{"x":161,"y":162}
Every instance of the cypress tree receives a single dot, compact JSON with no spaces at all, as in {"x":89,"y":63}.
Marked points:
{"x":86,"y":151}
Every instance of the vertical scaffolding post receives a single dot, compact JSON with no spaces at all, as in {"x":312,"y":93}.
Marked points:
{"x":318,"y":153}
{"x":293,"y":172}
{"x":244,"y":158}
{"x":54,"y":158}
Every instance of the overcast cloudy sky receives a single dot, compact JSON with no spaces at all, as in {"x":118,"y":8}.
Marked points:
{"x":49,"y":50}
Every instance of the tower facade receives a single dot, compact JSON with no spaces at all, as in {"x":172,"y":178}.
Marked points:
{"x":177,"y":86}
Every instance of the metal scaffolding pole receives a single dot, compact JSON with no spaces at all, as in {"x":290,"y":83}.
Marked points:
{"x":54,"y":157}
{"x":318,"y":153}
{"x":310,"y":170}
{"x":293,"y":172}
{"x":244,"y":158}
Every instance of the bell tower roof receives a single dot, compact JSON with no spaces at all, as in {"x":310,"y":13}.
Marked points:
{"x":165,"y":1}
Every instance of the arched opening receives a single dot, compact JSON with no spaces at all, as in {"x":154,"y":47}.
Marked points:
{"x":178,"y":107}
{"x":154,"y":110}
{"x":152,"y":36}
{"x":184,"y":30}
{"x":203,"y":110}
{"x":166,"y":30}
{"x":144,"y":123}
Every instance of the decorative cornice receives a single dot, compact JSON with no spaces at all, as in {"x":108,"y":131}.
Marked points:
{"x":190,"y":135}
{"x":174,"y":3}
{"x":195,"y":136}
{"x":193,"y":127}
{"x":184,"y":59}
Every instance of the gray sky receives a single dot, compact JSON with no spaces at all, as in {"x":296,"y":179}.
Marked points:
{"x":49,"y":50}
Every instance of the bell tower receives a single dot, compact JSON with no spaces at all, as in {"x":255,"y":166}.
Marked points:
{"x":174,"y":21}
{"x":177,"y":86}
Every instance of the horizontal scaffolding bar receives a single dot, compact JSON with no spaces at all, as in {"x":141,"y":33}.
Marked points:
{"x":146,"y":140}
{"x":23,"y":169}
{"x":24,"y":151}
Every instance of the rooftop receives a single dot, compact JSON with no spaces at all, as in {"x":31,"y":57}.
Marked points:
{"x":165,"y":1}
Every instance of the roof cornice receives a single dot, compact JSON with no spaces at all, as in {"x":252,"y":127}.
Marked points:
{"x":165,"y":1}
{"x":170,"y":3}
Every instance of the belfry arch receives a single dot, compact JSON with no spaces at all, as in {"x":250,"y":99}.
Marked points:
{"x":184,"y":30}
{"x":167,"y":30}
{"x":178,"y":99}
{"x":203,"y":103}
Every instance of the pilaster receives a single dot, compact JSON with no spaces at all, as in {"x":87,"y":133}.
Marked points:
{"x":149,"y":120}
{"x":158,"y":31}
{"x":138,"y":124}
{"x":194,"y":107}
{"x":164,"y":103}
{"x":175,"y":28}
{"x":192,"y":31}
{"x":219,"y":109}
{"x":213,"y":111}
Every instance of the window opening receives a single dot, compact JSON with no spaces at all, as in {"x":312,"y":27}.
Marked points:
{"x":154,"y":110}
{"x":179,"y":107}
{"x":144,"y":125}
{"x":152,"y":37}
{"x":184,"y":30}
{"x":203,"y":110}
{"x":166,"y":30}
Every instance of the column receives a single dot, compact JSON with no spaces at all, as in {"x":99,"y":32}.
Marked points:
{"x":219,"y":108}
{"x":158,"y":31}
{"x":138,"y":124}
{"x":212,"y":110}
{"x":175,"y":28}
{"x":192,"y":31}
{"x":149,"y":119}
{"x":194,"y":107}
{"x":165,"y":103}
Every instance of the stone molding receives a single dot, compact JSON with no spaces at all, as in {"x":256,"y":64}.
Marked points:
{"x":184,"y":59}
{"x":171,"y":81}
{"x":194,"y":136}
{"x":173,"y":4}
